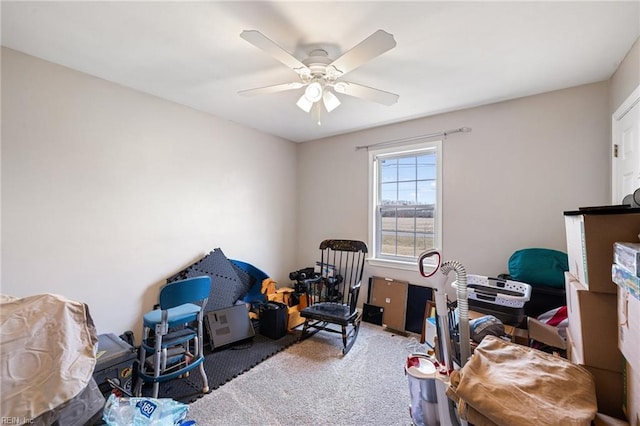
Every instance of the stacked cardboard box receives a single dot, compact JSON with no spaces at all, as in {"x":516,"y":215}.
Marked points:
{"x":592,"y":302}
{"x":625,"y":273}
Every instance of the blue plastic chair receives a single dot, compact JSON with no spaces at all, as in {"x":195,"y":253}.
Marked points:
{"x":254,"y":295}
{"x":176,"y":346}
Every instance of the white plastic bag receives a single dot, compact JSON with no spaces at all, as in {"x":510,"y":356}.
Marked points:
{"x":144,"y":412}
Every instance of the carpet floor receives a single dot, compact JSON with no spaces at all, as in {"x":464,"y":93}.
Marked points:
{"x":223,"y":365}
{"x":311,"y":383}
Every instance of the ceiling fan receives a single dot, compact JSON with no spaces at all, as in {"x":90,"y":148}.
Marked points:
{"x":320,"y":75}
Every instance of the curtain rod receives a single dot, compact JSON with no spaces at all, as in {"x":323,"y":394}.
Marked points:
{"x":430,"y":135}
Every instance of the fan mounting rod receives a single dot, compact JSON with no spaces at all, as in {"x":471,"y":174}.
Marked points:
{"x":318,"y":63}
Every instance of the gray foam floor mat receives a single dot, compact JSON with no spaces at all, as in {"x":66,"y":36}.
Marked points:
{"x":226,"y":286}
{"x":225,"y":364}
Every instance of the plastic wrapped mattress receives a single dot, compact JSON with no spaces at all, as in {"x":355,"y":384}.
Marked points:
{"x":47,"y":356}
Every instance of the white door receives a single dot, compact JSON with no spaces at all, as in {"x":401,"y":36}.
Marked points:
{"x":626,"y":148}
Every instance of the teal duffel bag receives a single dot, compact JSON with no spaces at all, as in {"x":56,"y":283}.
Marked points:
{"x":539,"y":267}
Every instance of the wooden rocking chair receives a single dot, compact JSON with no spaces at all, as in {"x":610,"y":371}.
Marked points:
{"x":332,"y":295}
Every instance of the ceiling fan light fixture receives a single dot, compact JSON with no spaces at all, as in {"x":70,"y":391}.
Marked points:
{"x":330,"y":100}
{"x":341,"y":86}
{"x":313,"y":92}
{"x":304,"y":103}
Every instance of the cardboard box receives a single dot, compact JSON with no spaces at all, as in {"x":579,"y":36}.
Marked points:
{"x":520,"y":336}
{"x":609,"y":384}
{"x":293,"y":318}
{"x":629,"y":327}
{"x":631,"y":394}
{"x":604,"y":420}
{"x":281,"y":295}
{"x":570,"y":346}
{"x":590,"y":239}
{"x":391,"y":295}
{"x":538,"y":331}
{"x":627,"y":255}
{"x":545,"y":333}
{"x":593,"y":324}
{"x":609,"y":390}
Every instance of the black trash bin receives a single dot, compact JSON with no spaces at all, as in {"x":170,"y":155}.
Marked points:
{"x":273,"y":320}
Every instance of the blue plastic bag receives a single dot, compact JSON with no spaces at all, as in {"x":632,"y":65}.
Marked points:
{"x":144,"y":412}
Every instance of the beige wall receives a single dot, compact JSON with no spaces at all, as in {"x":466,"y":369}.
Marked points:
{"x":626,"y":78}
{"x":107,"y":191}
{"x":505,"y":185}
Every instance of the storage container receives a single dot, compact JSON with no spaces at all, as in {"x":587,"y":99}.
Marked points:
{"x":504,"y":299}
{"x":591,"y":234}
{"x":627,"y":255}
{"x":114,"y":361}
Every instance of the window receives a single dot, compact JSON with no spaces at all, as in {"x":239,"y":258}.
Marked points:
{"x":405,"y":207}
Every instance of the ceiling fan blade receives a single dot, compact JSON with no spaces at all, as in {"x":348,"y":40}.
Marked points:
{"x":365,"y":92}
{"x":260,"y":41}
{"x":374,"y":45}
{"x":271,"y":89}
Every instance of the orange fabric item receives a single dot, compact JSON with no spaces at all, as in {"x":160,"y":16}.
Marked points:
{"x":508,"y":384}
{"x":268,"y":286}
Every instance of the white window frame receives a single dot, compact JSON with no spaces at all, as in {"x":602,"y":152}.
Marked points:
{"x":374,"y":258}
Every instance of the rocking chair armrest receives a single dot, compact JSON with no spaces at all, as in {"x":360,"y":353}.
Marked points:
{"x":355,"y":291}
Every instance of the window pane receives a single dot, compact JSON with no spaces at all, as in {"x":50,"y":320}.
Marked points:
{"x":388,"y":170}
{"x":426,"y":192}
{"x":405,"y":241}
{"x":406,"y":221}
{"x":406,"y":199}
{"x":425,"y":221}
{"x":426,"y":167}
{"x":388,"y":244}
{"x":407,"y":168}
{"x":423,"y":242}
{"x":389,"y":193}
{"x":407,"y":192}
{"x":388,"y":219}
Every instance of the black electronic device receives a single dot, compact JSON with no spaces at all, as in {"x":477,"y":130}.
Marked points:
{"x":273,"y":320}
{"x":303,"y":279}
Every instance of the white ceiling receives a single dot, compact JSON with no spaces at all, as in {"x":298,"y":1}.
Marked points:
{"x":449,"y":55}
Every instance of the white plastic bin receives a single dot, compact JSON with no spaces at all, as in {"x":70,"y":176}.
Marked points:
{"x":421,"y":373}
